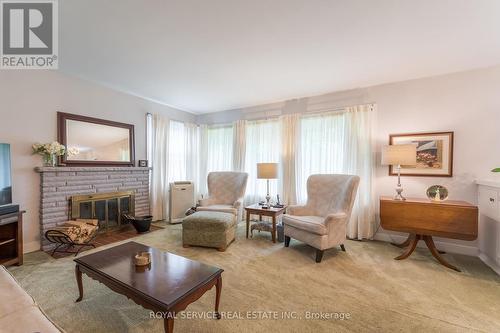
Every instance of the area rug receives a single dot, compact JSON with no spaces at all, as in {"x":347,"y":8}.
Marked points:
{"x":269,"y":288}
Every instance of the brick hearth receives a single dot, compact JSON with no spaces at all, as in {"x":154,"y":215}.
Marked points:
{"x":58,"y":184}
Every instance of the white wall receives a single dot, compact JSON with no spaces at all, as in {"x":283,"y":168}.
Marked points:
{"x":29,"y":101}
{"x":467,"y":103}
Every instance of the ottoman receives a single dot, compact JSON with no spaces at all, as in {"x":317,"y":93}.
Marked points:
{"x":209,"y":229}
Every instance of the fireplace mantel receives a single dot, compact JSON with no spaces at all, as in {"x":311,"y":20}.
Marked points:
{"x":59,"y":184}
{"x":89,"y":169}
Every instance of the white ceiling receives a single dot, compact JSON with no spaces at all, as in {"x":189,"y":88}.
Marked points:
{"x":210,"y":55}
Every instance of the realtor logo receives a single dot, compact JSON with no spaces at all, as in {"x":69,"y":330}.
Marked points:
{"x":28,"y":34}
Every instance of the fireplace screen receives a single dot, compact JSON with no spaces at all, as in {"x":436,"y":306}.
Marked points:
{"x":108,"y":208}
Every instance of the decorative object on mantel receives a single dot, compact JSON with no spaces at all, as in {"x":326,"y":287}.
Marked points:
{"x":143,"y":163}
{"x":437,"y":193}
{"x":434,"y":154}
{"x":399,"y":155}
{"x":49,"y":152}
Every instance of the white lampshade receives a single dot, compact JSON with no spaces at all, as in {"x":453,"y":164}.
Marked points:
{"x":267,"y":170}
{"x":399,"y":155}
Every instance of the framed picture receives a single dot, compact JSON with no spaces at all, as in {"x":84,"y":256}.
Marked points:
{"x":143,"y":163}
{"x":434,"y":154}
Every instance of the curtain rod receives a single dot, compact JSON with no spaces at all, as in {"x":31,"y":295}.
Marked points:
{"x":335,"y":110}
{"x":325,"y":110}
{"x":318,"y":111}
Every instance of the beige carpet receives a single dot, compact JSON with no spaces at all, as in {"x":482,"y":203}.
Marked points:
{"x":379,"y":293}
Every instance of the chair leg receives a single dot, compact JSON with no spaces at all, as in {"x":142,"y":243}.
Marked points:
{"x":342,"y":247}
{"x":319,"y":255}
{"x":287,"y":241}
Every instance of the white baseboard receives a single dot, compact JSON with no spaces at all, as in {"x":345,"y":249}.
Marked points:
{"x":490,"y":262}
{"x":31,"y":247}
{"x":443,"y":246}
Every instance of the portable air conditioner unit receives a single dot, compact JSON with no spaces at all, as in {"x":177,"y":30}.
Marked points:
{"x":181,"y":199}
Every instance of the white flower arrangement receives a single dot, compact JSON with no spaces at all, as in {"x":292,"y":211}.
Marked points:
{"x":49,"y":152}
{"x":54,"y":148}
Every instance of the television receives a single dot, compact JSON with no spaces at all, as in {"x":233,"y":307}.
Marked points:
{"x":5,"y":175}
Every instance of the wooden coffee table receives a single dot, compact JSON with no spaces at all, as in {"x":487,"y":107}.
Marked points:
{"x":256,"y":209}
{"x":168,"y":285}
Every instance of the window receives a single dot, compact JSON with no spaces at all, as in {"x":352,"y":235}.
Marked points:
{"x":220,"y":148}
{"x":263,"y":145}
{"x":321,"y":148}
{"x":177,"y":157}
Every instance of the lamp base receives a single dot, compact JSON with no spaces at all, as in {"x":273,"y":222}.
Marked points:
{"x":399,"y":194}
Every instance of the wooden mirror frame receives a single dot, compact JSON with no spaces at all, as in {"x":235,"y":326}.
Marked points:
{"x":61,"y":136}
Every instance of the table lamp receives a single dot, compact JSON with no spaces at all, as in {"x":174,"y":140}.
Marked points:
{"x":398,"y":155}
{"x":267,"y":171}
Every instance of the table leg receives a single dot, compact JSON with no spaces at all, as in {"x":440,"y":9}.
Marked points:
{"x":168,"y":324}
{"x":78,"y":274}
{"x":260,"y":217}
{"x":248,"y":221}
{"x":405,"y":243}
{"x":274,"y":228}
{"x":218,"y":290}
{"x":435,"y":253}
{"x":409,"y":250}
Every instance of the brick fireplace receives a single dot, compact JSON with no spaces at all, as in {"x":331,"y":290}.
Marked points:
{"x":58,"y":185}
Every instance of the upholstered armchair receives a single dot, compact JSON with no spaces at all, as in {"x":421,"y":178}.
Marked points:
{"x":226,"y":190}
{"x":322,"y":222}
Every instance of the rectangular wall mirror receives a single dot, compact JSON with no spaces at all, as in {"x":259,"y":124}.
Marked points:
{"x":93,"y":141}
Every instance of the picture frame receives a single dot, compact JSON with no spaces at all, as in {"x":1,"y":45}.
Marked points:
{"x":434,"y":154}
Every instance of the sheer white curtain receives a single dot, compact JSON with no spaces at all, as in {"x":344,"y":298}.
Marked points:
{"x":290,"y":139}
{"x":360,"y":159}
{"x":203,"y":165}
{"x":263,"y":144}
{"x":239,"y":145}
{"x":216,"y":151}
{"x":177,"y":165}
{"x":158,"y":137}
{"x":340,"y":142}
{"x":192,"y":151}
{"x":173,"y":149}
{"x":220,"y":148}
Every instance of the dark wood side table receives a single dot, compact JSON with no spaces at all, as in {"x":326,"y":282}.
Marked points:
{"x":11,"y":238}
{"x":423,"y":219}
{"x":256,"y":209}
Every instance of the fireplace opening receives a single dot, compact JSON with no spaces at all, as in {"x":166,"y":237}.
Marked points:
{"x":108,"y":208}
